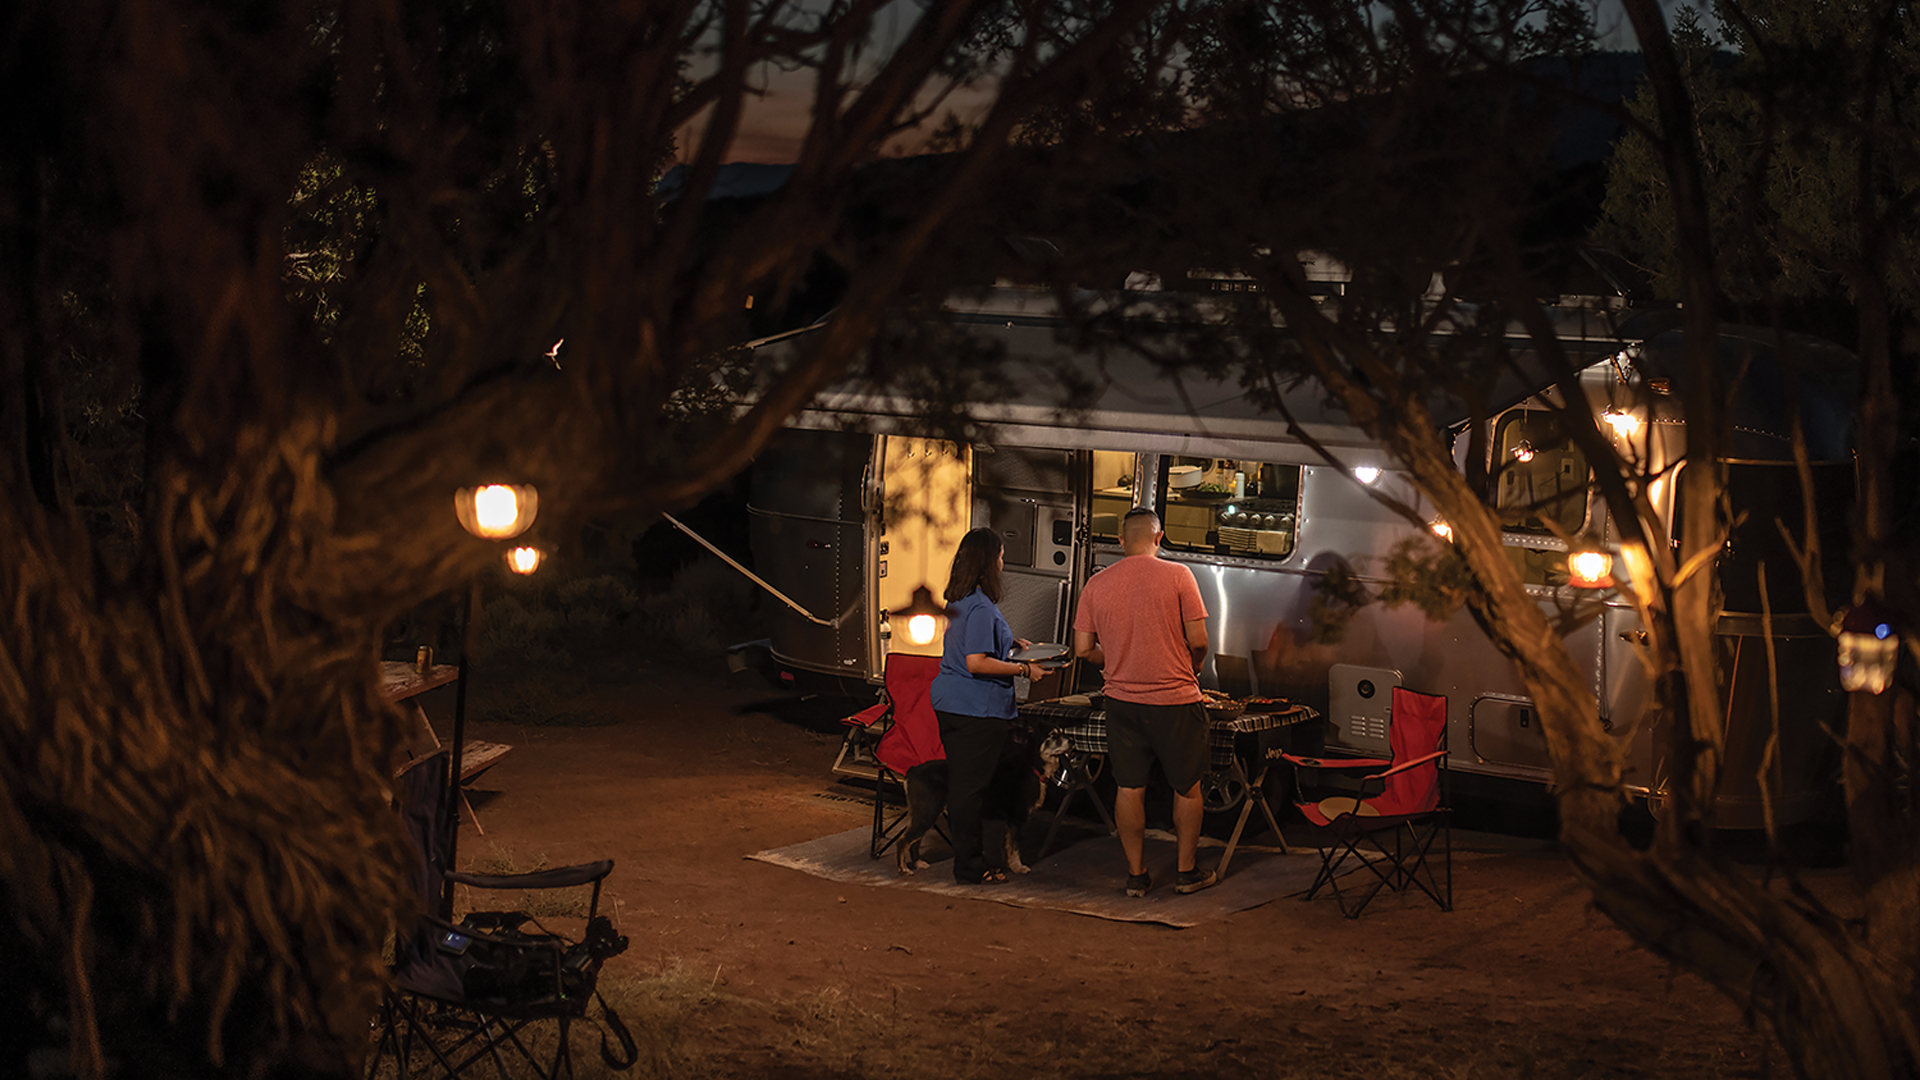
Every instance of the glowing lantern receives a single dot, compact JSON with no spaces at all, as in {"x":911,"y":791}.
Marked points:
{"x":525,"y":559}
{"x":1441,"y":529}
{"x":1869,"y":648}
{"x":1523,"y":453}
{"x":1624,"y":424}
{"x":497,"y":511}
{"x":1366,"y":474}
{"x":1588,"y":567}
{"x":923,"y":616}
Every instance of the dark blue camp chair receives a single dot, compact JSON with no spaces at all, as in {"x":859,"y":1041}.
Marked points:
{"x":480,"y":990}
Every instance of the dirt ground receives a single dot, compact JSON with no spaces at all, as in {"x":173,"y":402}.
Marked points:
{"x":677,"y":770}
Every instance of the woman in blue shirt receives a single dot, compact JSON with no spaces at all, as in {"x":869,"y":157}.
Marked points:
{"x":973,"y":695}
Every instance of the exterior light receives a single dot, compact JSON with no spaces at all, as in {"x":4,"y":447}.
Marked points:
{"x":1588,"y":567}
{"x":1869,"y":648}
{"x":1624,"y":424}
{"x":923,"y":616}
{"x":525,"y":559}
{"x":497,"y":511}
{"x":1441,"y":529}
{"x":1366,"y":474}
{"x":1523,"y":453}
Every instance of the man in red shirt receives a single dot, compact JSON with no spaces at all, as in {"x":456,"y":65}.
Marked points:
{"x":1143,"y":621}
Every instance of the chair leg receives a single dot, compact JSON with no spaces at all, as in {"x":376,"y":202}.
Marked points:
{"x":1407,"y":863}
{"x":386,"y":1041}
{"x":1335,"y":856}
{"x":1331,"y":858}
{"x":1382,"y":879}
{"x":1420,"y":860}
{"x":886,"y":833}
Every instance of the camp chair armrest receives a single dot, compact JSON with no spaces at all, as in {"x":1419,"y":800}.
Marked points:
{"x":873,"y":718}
{"x":557,"y":878}
{"x":1405,"y":765}
{"x":1335,"y":764}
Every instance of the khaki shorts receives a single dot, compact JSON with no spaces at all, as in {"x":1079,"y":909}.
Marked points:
{"x":1139,"y":734}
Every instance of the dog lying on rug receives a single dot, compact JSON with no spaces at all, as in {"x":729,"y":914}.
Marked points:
{"x":1018,"y":787}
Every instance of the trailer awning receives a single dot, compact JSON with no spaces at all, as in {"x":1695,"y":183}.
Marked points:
{"x":1039,"y":388}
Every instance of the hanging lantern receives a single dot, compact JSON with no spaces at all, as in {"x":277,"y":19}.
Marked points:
{"x":1869,"y":648}
{"x":1624,"y":424}
{"x":923,"y":616}
{"x":525,"y":559}
{"x":1589,"y":566}
{"x":497,"y":511}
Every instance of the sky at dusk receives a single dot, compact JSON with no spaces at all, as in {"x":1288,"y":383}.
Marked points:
{"x":774,"y":126}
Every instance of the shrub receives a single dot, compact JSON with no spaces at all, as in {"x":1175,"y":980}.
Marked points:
{"x":707,"y":606}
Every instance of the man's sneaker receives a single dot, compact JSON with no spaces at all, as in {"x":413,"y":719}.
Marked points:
{"x":1194,"y":880}
{"x":1138,"y":884}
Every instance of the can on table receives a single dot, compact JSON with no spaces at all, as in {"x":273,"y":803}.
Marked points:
{"x":423,"y":660}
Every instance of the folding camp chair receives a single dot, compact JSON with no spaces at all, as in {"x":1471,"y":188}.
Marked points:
{"x":474,"y":991}
{"x":896,"y":734}
{"x":1390,"y":823}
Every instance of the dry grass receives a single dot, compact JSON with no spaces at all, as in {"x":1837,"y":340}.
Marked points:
{"x":838,"y":1031}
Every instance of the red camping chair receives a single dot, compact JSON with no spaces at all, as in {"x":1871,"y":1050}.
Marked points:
{"x":1398,"y":811}
{"x":898,"y":733}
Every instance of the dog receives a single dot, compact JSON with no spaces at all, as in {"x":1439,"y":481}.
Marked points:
{"x":1018,"y":787}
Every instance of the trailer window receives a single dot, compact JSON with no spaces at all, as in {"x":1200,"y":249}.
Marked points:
{"x":1538,"y":477}
{"x":1228,"y":507}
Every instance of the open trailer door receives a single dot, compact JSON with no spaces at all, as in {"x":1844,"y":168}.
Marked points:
{"x":925,"y":508}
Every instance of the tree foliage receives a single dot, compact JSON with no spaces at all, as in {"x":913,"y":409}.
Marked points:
{"x":1783,"y":123}
{"x":1417,"y":151}
{"x":275,"y":280}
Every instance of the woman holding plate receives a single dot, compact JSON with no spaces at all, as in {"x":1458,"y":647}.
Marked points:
{"x":973,"y":696}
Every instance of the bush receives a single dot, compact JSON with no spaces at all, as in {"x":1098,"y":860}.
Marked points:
{"x":545,"y":622}
{"x":704,"y":608}
{"x":707,"y":606}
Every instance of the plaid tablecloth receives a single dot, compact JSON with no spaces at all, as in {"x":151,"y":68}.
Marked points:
{"x":1086,"y":725}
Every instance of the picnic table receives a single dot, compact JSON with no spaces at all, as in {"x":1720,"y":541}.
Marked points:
{"x":403,"y":682}
{"x":1241,"y":743}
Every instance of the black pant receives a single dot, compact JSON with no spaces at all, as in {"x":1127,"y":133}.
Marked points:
{"x":973,"y":745}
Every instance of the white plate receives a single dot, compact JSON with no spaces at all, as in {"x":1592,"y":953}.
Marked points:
{"x":1037,"y":652}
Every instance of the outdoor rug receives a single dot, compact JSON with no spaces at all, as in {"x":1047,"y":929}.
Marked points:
{"x":1084,"y":878}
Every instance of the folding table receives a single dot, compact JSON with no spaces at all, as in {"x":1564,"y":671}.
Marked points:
{"x":403,"y":682}
{"x":1085,"y":724}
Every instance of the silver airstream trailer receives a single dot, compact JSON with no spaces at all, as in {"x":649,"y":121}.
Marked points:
{"x":857,"y":504}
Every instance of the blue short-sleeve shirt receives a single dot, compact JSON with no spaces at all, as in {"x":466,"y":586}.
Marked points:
{"x":974,"y":625}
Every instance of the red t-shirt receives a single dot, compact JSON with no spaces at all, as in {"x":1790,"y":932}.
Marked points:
{"x":1139,"y":608}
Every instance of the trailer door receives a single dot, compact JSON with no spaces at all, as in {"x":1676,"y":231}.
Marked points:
{"x":1026,"y":495}
{"x":919,"y":522}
